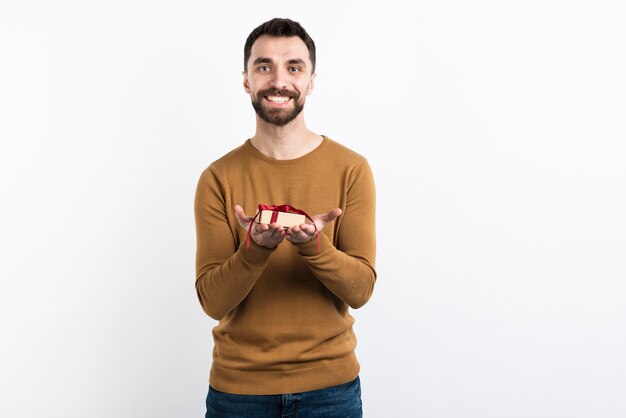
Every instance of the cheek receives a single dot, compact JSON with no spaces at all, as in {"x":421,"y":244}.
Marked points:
{"x":309,"y":88}
{"x":254,"y":84}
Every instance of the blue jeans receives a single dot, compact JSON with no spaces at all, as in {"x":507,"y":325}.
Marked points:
{"x":343,"y":401}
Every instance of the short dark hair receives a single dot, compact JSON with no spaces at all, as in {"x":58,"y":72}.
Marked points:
{"x":279,"y":27}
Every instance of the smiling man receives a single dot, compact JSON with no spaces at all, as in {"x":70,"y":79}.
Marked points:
{"x":284,"y":344}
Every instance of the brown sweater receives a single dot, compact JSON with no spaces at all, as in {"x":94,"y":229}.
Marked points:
{"x":284,"y":324}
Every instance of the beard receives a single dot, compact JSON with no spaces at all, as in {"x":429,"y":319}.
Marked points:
{"x":275,"y":116}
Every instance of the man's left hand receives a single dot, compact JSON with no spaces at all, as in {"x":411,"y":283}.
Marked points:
{"x":299,"y":234}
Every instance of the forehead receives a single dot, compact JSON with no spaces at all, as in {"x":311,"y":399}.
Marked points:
{"x":279,"y":49}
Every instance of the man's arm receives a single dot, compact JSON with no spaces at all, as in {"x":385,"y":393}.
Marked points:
{"x":348,"y":269}
{"x":225,"y":273}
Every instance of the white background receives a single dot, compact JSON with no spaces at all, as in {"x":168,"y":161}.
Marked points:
{"x":496,"y":133}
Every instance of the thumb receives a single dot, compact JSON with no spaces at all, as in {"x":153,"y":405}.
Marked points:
{"x":330,"y":216}
{"x":243,"y":219}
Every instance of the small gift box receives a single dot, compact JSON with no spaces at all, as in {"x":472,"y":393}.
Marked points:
{"x":284,"y":215}
{"x":284,"y":219}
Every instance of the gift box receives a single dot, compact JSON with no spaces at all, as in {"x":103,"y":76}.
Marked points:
{"x":284,"y":219}
{"x":284,"y":215}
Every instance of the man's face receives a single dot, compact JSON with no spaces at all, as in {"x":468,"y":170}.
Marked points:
{"x":278,"y":78}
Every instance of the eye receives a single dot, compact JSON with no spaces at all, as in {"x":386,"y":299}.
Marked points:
{"x":264,"y":68}
{"x":295,"y":69}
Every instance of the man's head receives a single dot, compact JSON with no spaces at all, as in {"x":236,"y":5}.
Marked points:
{"x":279,"y":69}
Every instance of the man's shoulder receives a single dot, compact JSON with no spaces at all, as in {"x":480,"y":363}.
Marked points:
{"x":233,"y":159}
{"x":344,"y":154}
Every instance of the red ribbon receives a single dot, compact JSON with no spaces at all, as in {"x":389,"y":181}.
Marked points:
{"x":275,"y":210}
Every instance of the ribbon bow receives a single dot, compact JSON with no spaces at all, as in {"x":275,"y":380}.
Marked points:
{"x":275,"y":210}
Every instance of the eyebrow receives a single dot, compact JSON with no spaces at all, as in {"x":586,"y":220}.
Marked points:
{"x":265,"y":60}
{"x":262,"y":60}
{"x":297,"y":61}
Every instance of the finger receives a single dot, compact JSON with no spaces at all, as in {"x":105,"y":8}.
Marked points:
{"x":278,"y":232}
{"x":242,"y":218}
{"x":266,"y":229}
{"x":297,"y":234}
{"x":331,"y":215}
{"x":328,"y":217}
{"x":269,"y":238}
{"x":272,"y":236}
{"x":276,"y":225}
{"x":296,"y":231}
{"x":308,"y":229}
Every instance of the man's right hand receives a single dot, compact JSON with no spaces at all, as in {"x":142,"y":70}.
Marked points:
{"x":265,"y":235}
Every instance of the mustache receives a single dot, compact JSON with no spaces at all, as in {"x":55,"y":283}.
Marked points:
{"x":278,"y":92}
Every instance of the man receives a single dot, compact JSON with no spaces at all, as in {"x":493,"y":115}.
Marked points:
{"x":284,"y":344}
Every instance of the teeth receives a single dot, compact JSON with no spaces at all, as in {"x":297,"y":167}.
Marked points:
{"x":278,"y":99}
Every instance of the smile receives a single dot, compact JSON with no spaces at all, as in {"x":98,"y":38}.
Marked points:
{"x":278,"y":99}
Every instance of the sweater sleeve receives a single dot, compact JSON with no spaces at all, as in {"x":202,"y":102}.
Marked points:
{"x":347,"y":269}
{"x":225,"y":270}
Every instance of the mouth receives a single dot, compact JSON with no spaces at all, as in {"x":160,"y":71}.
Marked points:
{"x":278,"y":100}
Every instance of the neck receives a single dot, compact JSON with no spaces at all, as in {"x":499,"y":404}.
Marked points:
{"x":285,"y":142}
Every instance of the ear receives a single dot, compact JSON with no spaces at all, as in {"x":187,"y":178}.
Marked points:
{"x":309,"y":89}
{"x":246,"y":85}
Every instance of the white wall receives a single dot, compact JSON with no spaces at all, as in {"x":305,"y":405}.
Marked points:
{"x":496,"y":133}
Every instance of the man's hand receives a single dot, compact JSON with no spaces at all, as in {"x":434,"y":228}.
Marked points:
{"x":302,"y":233}
{"x":265,"y":235}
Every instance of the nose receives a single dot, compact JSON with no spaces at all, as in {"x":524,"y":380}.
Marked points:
{"x":279,"y":79}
